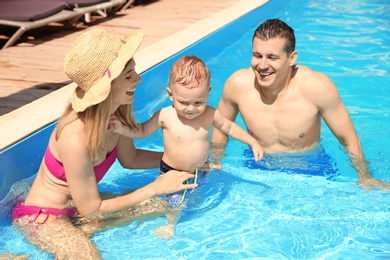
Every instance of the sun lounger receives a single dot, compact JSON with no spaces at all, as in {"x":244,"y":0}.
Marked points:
{"x":127,"y":4}
{"x":103,"y":8}
{"x":27,"y":15}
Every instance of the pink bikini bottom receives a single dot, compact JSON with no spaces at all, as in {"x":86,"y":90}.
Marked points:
{"x":22,"y":210}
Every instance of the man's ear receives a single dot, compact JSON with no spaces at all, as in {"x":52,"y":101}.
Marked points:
{"x":210,"y":88}
{"x":169,"y":93}
{"x":293,"y":58}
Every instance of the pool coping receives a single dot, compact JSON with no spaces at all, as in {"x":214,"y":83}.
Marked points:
{"x":20,"y":123}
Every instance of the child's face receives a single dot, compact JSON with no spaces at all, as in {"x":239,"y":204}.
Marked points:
{"x":189,"y":102}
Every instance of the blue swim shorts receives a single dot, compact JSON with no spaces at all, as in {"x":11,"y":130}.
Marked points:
{"x":175,"y":199}
{"x":315,"y":162}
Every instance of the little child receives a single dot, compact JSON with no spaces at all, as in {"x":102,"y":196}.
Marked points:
{"x":186,"y":124}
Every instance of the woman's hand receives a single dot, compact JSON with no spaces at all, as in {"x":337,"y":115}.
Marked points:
{"x":173,"y":181}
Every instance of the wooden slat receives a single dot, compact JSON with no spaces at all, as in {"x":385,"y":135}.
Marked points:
{"x":26,"y":67}
{"x":19,"y":123}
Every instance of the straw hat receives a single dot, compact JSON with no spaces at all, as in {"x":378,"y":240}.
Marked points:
{"x":94,"y":60}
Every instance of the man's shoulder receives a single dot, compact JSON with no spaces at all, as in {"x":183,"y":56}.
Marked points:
{"x":313,"y":83}
{"x":309,"y":77}
{"x":240,"y":77}
{"x":308,"y":73}
{"x":244,"y":72}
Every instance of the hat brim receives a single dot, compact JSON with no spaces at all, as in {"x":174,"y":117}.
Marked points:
{"x":101,"y":89}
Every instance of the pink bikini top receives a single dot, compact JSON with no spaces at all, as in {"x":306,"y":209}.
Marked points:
{"x":56,"y":168}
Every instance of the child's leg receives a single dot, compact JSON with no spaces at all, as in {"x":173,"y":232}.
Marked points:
{"x":168,"y":231}
{"x":176,"y":202}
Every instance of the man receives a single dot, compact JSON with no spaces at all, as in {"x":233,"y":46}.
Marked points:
{"x":282,"y":103}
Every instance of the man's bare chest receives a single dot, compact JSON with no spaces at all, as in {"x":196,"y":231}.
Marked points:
{"x":292,"y":123}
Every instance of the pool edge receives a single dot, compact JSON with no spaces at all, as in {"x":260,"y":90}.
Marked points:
{"x":18,"y":124}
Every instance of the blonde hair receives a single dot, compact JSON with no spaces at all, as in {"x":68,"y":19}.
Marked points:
{"x":190,"y":72}
{"x":96,"y":120}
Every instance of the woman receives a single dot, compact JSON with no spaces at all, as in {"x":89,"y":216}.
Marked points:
{"x":81,"y":149}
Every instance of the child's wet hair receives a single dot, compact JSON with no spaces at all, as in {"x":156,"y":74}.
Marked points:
{"x":190,"y":72}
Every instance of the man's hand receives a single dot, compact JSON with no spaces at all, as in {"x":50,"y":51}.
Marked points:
{"x":365,"y":177}
{"x":368,"y":183}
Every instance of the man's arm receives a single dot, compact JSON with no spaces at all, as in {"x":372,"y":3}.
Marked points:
{"x":336,"y":116}
{"x":229,"y":109}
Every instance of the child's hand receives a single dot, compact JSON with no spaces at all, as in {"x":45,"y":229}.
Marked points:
{"x":115,"y":125}
{"x":258,"y":151}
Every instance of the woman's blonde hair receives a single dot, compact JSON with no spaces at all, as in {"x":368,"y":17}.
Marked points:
{"x":96,"y":120}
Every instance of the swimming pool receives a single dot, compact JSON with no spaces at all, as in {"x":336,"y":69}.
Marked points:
{"x":242,"y":212}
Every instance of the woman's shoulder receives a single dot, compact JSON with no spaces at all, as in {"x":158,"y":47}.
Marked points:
{"x":72,"y":134}
{"x":74,"y":128}
{"x":70,"y":142}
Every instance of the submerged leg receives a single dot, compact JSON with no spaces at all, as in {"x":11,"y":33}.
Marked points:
{"x":59,"y":237}
{"x":10,"y":256}
{"x":168,"y":231}
{"x":146,"y":209}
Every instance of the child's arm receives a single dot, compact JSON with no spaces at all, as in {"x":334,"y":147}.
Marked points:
{"x":145,"y":129}
{"x":232,"y":129}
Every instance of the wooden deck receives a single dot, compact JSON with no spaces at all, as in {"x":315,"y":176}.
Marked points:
{"x":34,"y":89}
{"x":33,"y":69}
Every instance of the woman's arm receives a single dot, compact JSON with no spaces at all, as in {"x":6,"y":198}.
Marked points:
{"x":170,"y":182}
{"x":84,"y":190}
{"x":132,"y":158}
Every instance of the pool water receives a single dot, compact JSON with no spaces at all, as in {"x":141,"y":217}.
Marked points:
{"x":301,"y":206}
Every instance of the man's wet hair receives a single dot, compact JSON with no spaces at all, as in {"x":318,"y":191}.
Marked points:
{"x":276,"y":28}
